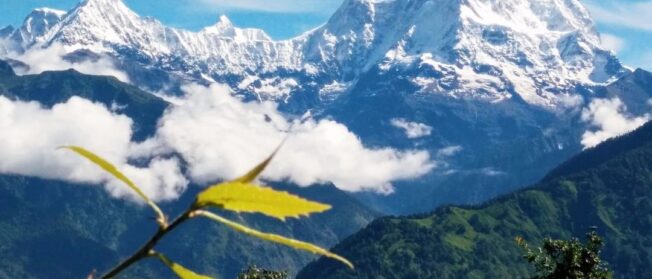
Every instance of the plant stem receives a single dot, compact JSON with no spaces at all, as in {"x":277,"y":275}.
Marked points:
{"x":145,"y":250}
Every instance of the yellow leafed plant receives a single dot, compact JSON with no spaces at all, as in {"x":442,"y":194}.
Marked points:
{"x":238,"y":195}
{"x":180,"y":270}
{"x":241,"y":195}
{"x":255,"y":172}
{"x":296,"y":244}
{"x":111,"y":169}
{"x":251,"y":198}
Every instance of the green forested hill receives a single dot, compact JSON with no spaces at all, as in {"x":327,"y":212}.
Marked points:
{"x":609,"y":187}
{"x":51,"y":88}
{"x":53,"y":230}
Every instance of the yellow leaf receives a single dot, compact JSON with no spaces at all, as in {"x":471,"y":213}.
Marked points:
{"x":252,"y":174}
{"x":110,"y":168}
{"x":240,"y":195}
{"x":296,"y":244}
{"x":251,"y":198}
{"x":179,"y":270}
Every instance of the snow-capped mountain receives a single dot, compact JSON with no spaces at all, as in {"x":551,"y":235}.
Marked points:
{"x":109,"y":26}
{"x":37,"y":23}
{"x":476,"y":48}
{"x":498,"y":84}
{"x":493,"y":50}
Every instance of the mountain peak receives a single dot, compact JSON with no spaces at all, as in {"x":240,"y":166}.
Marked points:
{"x":101,"y":2}
{"x":36,"y":24}
{"x":523,"y":47}
{"x":94,"y":21}
{"x":223,"y":27}
{"x":105,"y":7}
{"x":48,"y":11}
{"x":42,"y":18}
{"x":224,"y":20}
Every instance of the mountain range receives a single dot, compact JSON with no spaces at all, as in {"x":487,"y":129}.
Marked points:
{"x":498,"y":85}
{"x":485,"y":50}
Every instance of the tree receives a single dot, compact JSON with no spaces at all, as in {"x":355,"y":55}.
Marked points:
{"x":561,"y":259}
{"x":238,"y":195}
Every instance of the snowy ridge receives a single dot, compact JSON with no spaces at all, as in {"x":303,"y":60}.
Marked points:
{"x":493,"y":50}
{"x":475,"y":48}
{"x":35,"y":25}
{"x":108,"y":25}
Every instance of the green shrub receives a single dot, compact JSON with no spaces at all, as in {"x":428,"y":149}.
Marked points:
{"x":254,"y":272}
{"x":561,"y":259}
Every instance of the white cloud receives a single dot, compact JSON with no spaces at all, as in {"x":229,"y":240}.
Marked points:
{"x":51,"y":59}
{"x":627,"y":14}
{"x":31,"y":135}
{"x":218,"y":135}
{"x":571,"y":100}
{"x":276,"y":6}
{"x":412,"y":130}
{"x":449,"y":151}
{"x":221,"y":138}
{"x":611,"y":118}
{"x":489,"y":171}
{"x":612,"y":42}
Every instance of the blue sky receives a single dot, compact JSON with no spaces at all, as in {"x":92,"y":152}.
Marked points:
{"x":625,"y":24}
{"x":282,"y":19}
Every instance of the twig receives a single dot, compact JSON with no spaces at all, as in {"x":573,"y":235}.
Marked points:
{"x":146,"y":250}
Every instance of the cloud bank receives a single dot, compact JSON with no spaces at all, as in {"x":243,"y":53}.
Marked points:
{"x":218,"y":135}
{"x":449,"y":151}
{"x":611,"y":119}
{"x":32,"y":135}
{"x":221,"y":138}
{"x":52,"y":59}
{"x":612,"y":42}
{"x":412,"y":130}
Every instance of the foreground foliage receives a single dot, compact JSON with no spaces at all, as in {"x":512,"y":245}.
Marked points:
{"x":259,"y":273}
{"x":238,"y":195}
{"x":609,"y":187}
{"x":567,"y":259}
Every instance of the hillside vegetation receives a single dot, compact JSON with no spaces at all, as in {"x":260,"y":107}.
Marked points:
{"x":609,"y":187}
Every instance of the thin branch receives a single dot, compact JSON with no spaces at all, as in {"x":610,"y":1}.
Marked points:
{"x":146,"y":250}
